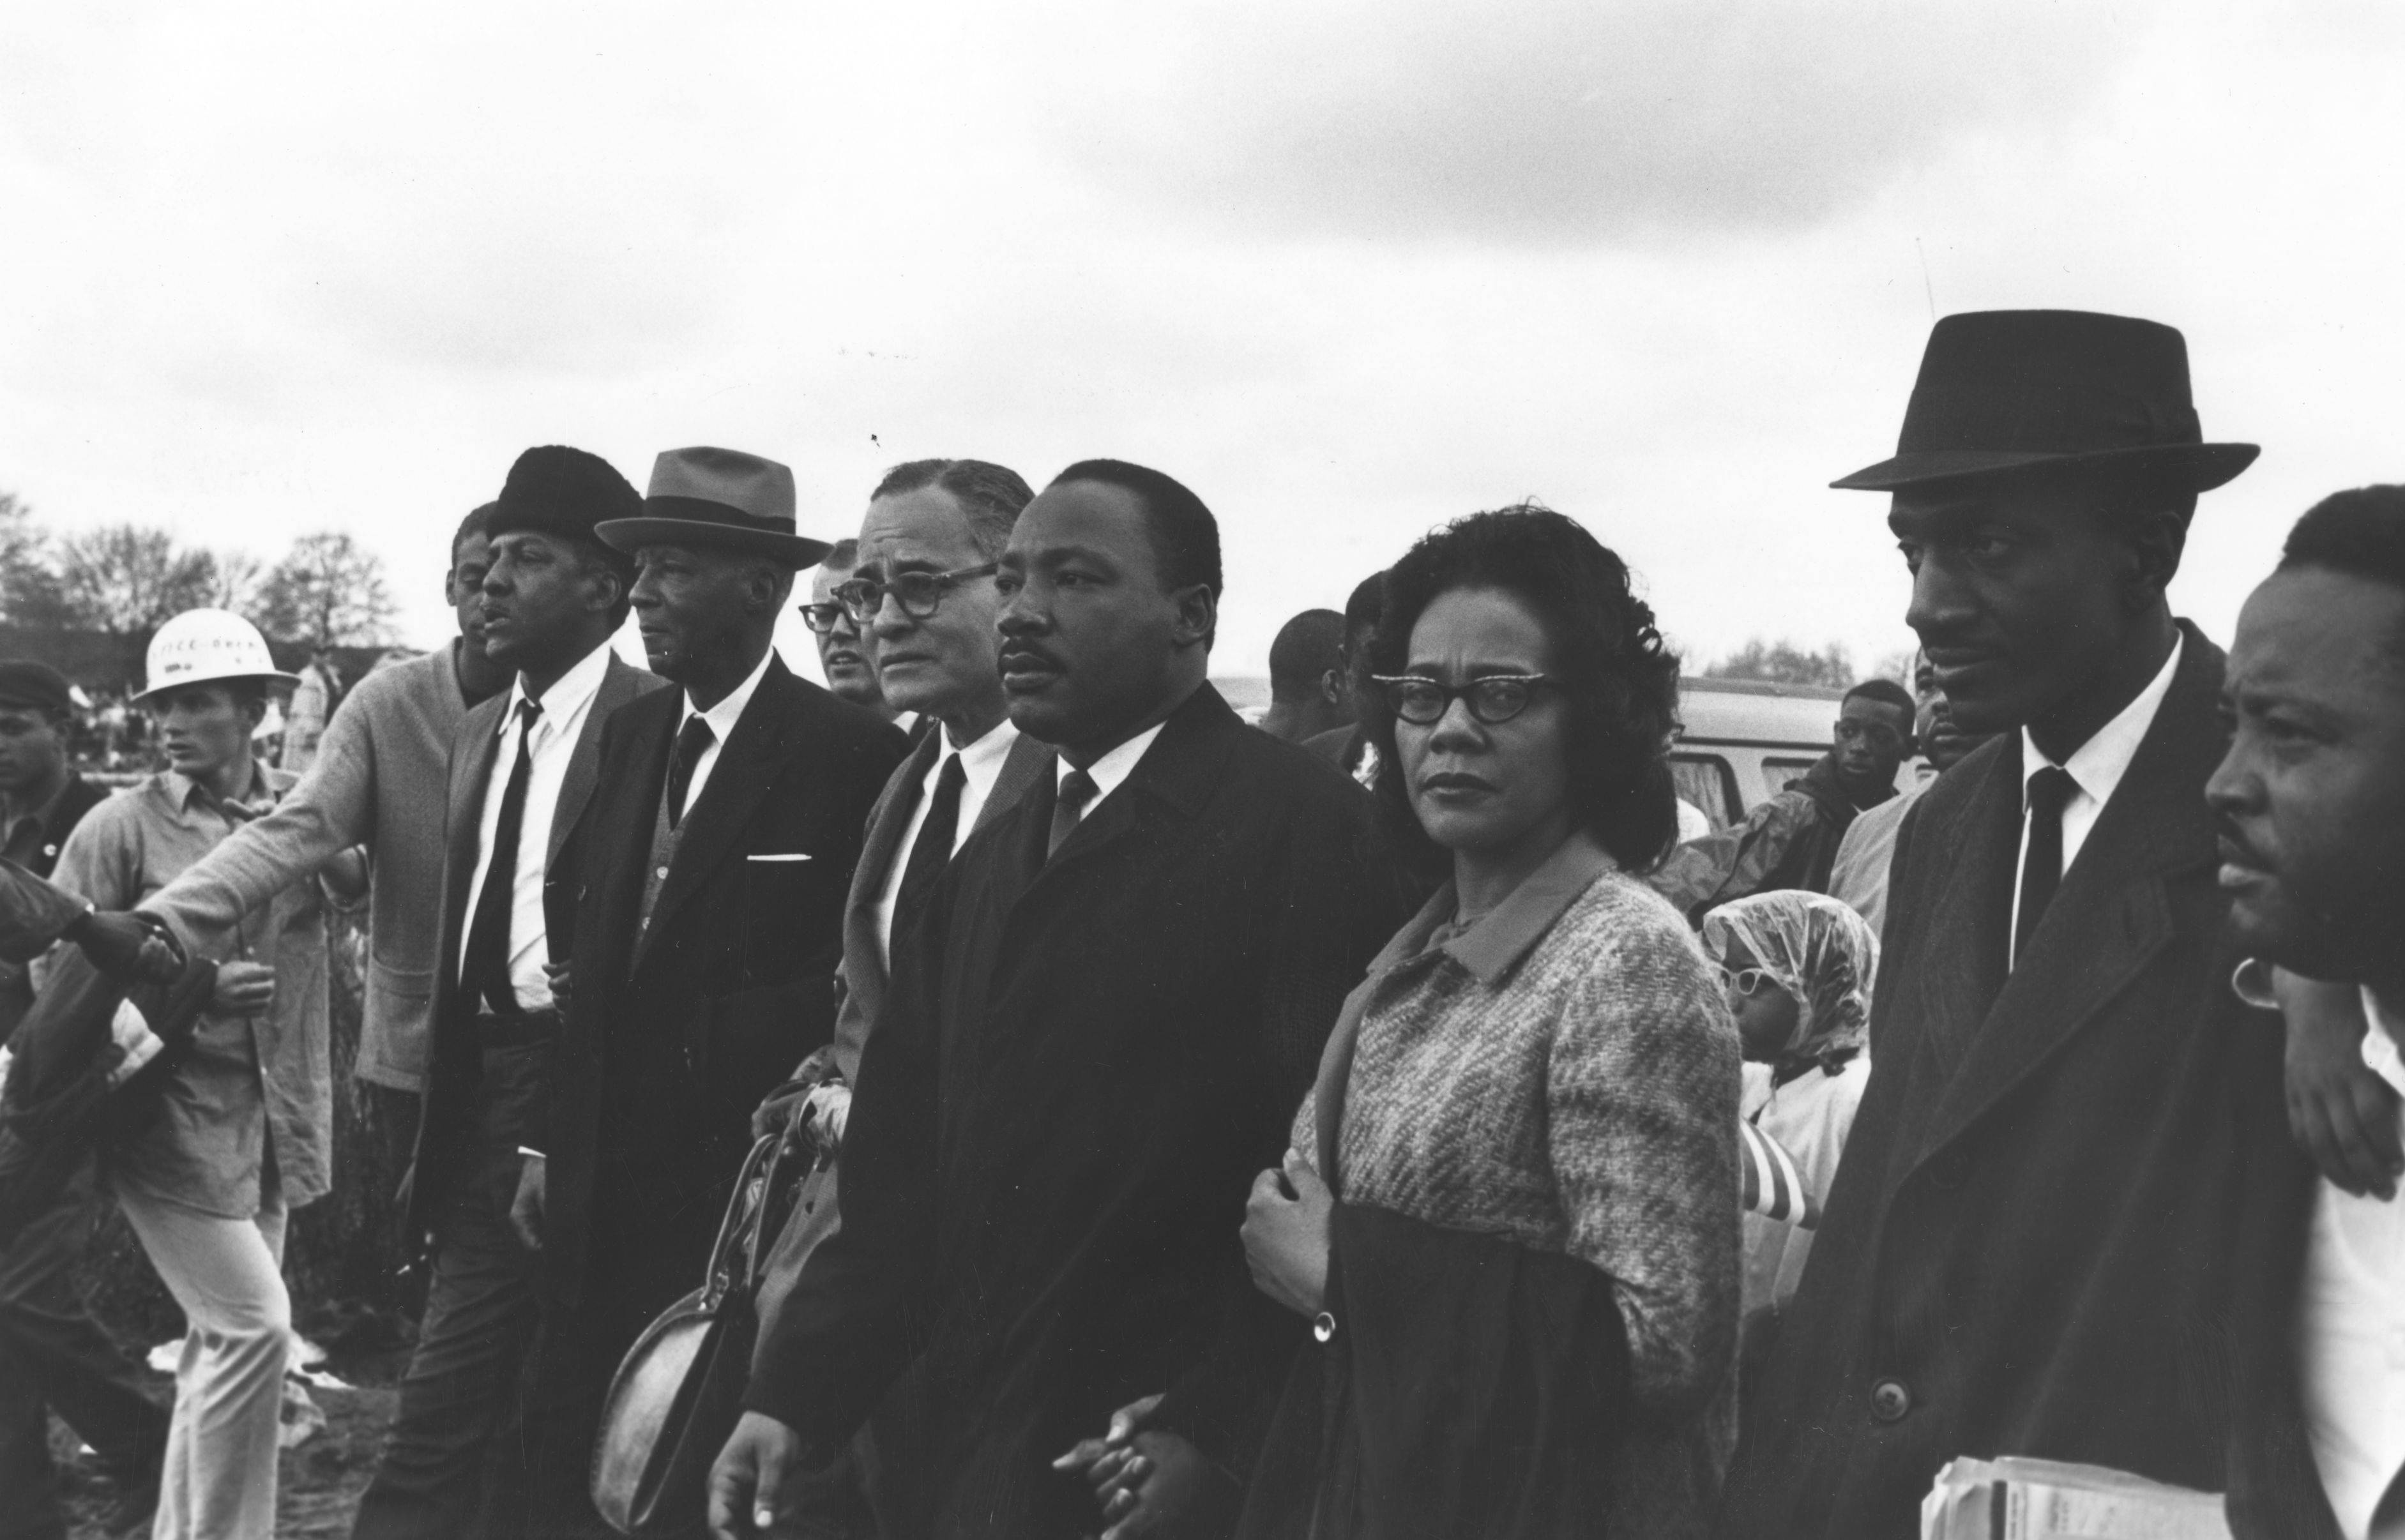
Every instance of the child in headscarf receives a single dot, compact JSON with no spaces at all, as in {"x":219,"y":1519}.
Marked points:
{"x":1798,"y":968}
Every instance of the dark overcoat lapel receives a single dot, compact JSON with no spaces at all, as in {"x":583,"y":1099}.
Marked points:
{"x":455,"y":1058}
{"x":675,"y":1029}
{"x":2068,"y":1199}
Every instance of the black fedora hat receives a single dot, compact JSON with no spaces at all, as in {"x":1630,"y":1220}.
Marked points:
{"x":2002,"y":392}
{"x":722,"y":498}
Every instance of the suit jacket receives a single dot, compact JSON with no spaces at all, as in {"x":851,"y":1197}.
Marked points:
{"x":446,"y":1130}
{"x":2070,"y":1194}
{"x":1081,"y":1067}
{"x":862,"y":981}
{"x":672,"y":1036}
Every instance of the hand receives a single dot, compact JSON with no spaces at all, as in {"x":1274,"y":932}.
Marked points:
{"x":526,"y":1208}
{"x":345,"y":874}
{"x":556,"y":973}
{"x":1099,"y":1460}
{"x":1286,"y":1238}
{"x":749,"y":1481}
{"x":776,"y":1114}
{"x":830,"y":1108}
{"x":122,"y":946}
{"x":1166,"y":1489}
{"x":244,"y":988}
{"x":2340,"y":1113}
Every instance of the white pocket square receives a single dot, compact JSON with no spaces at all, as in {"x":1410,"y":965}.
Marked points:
{"x":790,"y":854}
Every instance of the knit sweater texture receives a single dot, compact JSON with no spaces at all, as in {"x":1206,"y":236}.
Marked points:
{"x":1584,"y":1100}
{"x":379,"y":779}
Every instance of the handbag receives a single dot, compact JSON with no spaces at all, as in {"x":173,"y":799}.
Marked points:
{"x":678,"y":1392}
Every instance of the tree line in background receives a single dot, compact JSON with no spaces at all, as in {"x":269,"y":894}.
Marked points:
{"x":119,"y":582}
{"x":1784,"y":663}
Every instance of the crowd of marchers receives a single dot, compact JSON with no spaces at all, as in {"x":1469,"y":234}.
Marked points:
{"x":1398,"y":1118}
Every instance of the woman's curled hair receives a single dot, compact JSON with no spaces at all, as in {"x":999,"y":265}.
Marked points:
{"x":1621,"y":679}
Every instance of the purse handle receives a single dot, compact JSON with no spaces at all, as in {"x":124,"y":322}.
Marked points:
{"x":738,"y":1231}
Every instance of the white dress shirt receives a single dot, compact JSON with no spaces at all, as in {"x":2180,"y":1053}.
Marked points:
{"x":722,"y":719}
{"x":565,"y":706}
{"x":2352,"y":1326}
{"x":2096,"y":770}
{"x":980,"y":767}
{"x":1111,"y":769}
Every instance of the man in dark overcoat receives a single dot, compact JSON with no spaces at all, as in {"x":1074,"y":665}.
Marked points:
{"x":520,"y":771}
{"x":703,"y":891}
{"x":2071,"y":1168}
{"x":1101,"y":1028}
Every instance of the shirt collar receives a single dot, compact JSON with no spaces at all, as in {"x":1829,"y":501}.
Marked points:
{"x":981,"y":761}
{"x":2098,"y":766}
{"x":569,"y":692}
{"x":182,"y":790}
{"x":1112,"y":768}
{"x":41,"y":816}
{"x":1492,"y":947}
{"x":729,"y":710}
{"x":2380,"y":1055}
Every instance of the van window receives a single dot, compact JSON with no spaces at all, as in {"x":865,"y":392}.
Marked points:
{"x":1706,"y":780}
{"x":1778,"y":770}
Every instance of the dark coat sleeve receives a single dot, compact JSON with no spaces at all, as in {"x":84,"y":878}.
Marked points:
{"x":1343,"y":899}
{"x":847,"y":1328}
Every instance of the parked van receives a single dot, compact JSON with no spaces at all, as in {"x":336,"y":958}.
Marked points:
{"x":1741,"y":741}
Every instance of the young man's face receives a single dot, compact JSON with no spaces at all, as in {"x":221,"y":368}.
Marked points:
{"x":1872,"y":738}
{"x":33,"y":750}
{"x":2311,"y":793}
{"x":203,"y":728}
{"x":464,"y":587}
{"x":2019,"y":596}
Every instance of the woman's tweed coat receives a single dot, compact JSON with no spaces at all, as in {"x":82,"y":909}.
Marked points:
{"x":1564,"y":1074}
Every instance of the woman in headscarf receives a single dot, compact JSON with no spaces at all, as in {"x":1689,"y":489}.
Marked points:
{"x":1797,"y":968}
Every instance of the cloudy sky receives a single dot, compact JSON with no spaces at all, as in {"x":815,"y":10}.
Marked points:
{"x":1346,"y":269}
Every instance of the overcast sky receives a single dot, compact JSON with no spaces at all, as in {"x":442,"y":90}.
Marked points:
{"x":1345,"y":269}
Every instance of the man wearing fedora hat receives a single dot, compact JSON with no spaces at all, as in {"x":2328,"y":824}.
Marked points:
{"x":703,"y":891}
{"x":2071,"y":1170}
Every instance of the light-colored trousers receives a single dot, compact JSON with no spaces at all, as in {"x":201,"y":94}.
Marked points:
{"x":219,"y":1478}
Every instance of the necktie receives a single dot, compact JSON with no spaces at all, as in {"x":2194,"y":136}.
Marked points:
{"x":692,"y":740}
{"x":1076,"y":790}
{"x":933,"y":848}
{"x":2042,"y":868}
{"x":485,"y":971}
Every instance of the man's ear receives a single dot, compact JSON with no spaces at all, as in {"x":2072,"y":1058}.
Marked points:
{"x":611,"y":587}
{"x":2155,"y":544}
{"x":1197,"y":616}
{"x":1331,"y":686}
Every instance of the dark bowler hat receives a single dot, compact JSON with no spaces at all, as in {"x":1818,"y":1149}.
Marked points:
{"x":2012,"y":390}
{"x":26,"y":683}
{"x":722,"y":497}
{"x":556,"y":490}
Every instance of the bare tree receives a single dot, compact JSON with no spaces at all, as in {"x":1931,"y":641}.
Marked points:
{"x":237,"y":582}
{"x":1784,"y":663}
{"x":328,"y":590}
{"x":126,"y":581}
{"x":29,"y":579}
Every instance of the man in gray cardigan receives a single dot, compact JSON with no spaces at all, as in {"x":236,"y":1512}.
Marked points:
{"x":378,"y":780}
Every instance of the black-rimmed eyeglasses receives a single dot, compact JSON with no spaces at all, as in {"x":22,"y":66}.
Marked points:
{"x":919,"y":594}
{"x":820,"y":618}
{"x":1493,"y":698}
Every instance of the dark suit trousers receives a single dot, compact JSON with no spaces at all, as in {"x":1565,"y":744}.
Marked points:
{"x":452,"y":1438}
{"x":54,"y":1356}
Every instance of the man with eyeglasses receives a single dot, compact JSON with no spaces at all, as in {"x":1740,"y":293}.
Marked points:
{"x":1791,"y":840}
{"x":920,"y":589}
{"x":1099,"y":1029}
{"x":847,"y":656}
